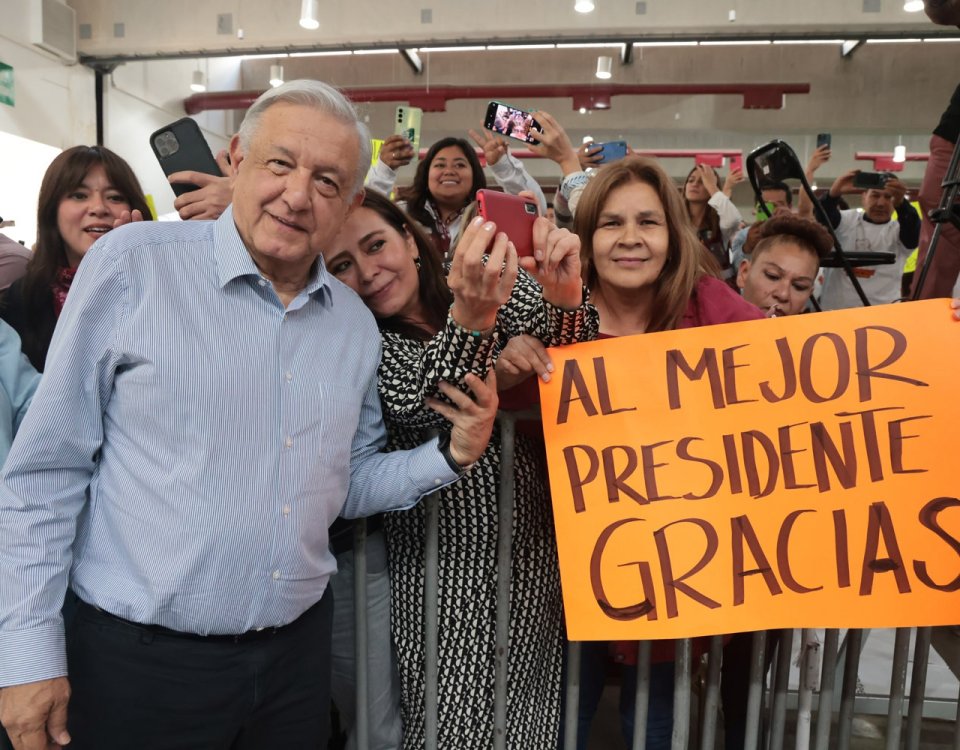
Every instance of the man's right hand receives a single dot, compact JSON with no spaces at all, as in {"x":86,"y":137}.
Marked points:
{"x":396,"y":151}
{"x":844,"y":184}
{"x":213,"y":195}
{"x":35,"y":714}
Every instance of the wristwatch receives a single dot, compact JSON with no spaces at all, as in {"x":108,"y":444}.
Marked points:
{"x":443,"y":444}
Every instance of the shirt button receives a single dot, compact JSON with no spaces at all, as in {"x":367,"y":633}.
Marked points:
{"x":286,"y":510}
{"x":262,"y":282}
{"x":288,"y":442}
{"x":437,"y":482}
{"x":288,"y":375}
{"x":276,"y":575}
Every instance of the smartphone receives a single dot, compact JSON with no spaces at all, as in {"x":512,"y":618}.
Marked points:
{"x":823,"y":139}
{"x":510,"y":121}
{"x":871,"y":180}
{"x":736,"y":162}
{"x":407,"y":123}
{"x":611,"y":151}
{"x":513,"y":214}
{"x":180,"y":146}
{"x":761,"y":216}
{"x":711,"y":160}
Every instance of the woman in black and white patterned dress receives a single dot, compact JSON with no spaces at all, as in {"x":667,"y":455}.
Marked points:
{"x":426,"y":339}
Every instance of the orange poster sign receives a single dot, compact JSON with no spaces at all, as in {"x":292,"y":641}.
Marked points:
{"x":793,"y":472}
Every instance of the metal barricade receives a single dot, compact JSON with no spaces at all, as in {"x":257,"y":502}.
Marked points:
{"x":766,"y":715}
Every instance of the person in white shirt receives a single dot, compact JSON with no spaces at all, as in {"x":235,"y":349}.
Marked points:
{"x":873,"y":230}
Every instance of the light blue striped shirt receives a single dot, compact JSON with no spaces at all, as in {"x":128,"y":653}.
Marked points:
{"x":189,"y":445}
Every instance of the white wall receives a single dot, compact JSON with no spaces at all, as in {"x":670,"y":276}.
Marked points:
{"x":53,"y":109}
{"x":55,"y":106}
{"x":27,"y":160}
{"x":140,"y":98}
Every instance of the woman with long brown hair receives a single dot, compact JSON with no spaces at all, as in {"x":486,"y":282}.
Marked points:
{"x":646,"y":271}
{"x":86,"y":192}
{"x":447,"y":180}
{"x":714,"y":217}
{"x":435,"y":322}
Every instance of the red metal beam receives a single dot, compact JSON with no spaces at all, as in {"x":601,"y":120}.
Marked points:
{"x":591,"y":96}
{"x":883,"y":162}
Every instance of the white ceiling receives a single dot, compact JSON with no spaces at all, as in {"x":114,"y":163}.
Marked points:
{"x":870,"y":100}
{"x":176,"y":26}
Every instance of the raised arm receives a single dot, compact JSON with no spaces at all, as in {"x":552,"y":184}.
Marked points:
{"x":819,"y":157}
{"x":395,"y":152}
{"x":508,"y":171}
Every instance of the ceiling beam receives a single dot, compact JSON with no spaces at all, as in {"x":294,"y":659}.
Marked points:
{"x":586,"y":96}
{"x":412,"y":59}
{"x":281,"y":50}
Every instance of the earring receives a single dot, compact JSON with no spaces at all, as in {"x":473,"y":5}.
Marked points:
{"x":416,"y":262}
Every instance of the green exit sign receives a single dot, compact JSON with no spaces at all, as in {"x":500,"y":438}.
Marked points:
{"x":6,"y":84}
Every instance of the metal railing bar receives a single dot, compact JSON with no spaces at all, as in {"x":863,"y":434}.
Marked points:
{"x":362,"y":725}
{"x":809,"y":668}
{"x":431,"y":594}
{"x":827,"y":685}
{"x":854,"y":641}
{"x":572,"y":703}
{"x":755,"y":693}
{"x":681,"y":695}
{"x":504,"y":553}
{"x":778,"y":708}
{"x":708,"y":718}
{"x":641,"y":703}
{"x":898,"y":683}
{"x":918,"y":687}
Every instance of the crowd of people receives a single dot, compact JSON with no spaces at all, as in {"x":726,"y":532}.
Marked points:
{"x":220,"y":395}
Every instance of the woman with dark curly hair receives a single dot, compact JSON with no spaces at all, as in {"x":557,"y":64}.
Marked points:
{"x":86,"y":192}
{"x":781,"y":258}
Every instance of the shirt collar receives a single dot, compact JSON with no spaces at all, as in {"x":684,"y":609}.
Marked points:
{"x":233,"y":261}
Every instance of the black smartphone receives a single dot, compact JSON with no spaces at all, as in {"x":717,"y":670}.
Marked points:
{"x":510,"y":121}
{"x":611,"y":151}
{"x":871,"y":180}
{"x":180,"y":146}
{"x":823,"y":139}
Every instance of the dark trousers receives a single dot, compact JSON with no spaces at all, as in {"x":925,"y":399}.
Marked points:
{"x":594,"y":660}
{"x":735,"y":684}
{"x":133,"y":686}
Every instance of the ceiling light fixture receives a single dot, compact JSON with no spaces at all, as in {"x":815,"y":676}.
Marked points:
{"x":583,"y":6}
{"x":276,"y":75}
{"x":198,"y":83}
{"x":309,"y":14}
{"x":493,"y":47}
{"x":912,"y":6}
{"x":604,"y":67}
{"x":899,"y":151}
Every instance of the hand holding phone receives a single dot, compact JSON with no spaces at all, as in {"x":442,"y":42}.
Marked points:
{"x":181,"y":146}
{"x":611,"y":151}
{"x":514,"y":215}
{"x":823,"y":139}
{"x":396,"y":151}
{"x":407,"y":124}
{"x":871,"y":180}
{"x":510,"y":121}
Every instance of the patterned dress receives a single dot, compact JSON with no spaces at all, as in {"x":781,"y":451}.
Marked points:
{"x":468,"y":541}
